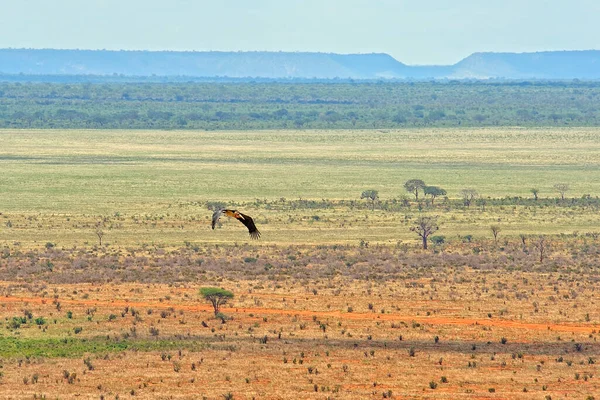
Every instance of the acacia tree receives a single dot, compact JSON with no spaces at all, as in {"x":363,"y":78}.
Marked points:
{"x":99,"y":231}
{"x":424,"y":227}
{"x":413,"y":186}
{"x":468,"y":196}
{"x":372,"y":195}
{"x":535,"y":192}
{"x":216,"y":296}
{"x":434,"y":192}
{"x":562,"y":188}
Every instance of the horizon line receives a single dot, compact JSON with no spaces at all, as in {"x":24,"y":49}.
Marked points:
{"x":290,"y":52}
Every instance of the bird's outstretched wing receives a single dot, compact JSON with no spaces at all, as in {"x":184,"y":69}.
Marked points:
{"x":243,"y":218}
{"x":249,"y":222}
{"x":216,"y":215}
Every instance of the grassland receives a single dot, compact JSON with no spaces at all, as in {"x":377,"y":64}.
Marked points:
{"x":335,"y":301}
{"x":154,"y":186}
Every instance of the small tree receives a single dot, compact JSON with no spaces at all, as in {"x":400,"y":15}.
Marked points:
{"x":541,"y":246}
{"x":495,"y":230}
{"x":523,"y":238}
{"x":535,"y":192}
{"x":413,"y":186}
{"x":468,"y":196}
{"x":372,"y":195}
{"x":434,"y":192}
{"x":482,"y":203}
{"x":562,"y":188}
{"x":424,"y":227}
{"x":216,"y":296}
{"x":99,"y":232}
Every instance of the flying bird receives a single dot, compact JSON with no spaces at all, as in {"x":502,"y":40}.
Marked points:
{"x":243,"y":218}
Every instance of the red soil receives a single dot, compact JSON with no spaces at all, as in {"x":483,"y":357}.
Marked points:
{"x":431,"y":320}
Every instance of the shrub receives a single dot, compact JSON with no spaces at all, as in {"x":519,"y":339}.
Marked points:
{"x":88,"y":364}
{"x":438,"y":239}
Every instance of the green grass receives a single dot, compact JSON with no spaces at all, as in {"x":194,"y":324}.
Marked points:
{"x":107,"y":171}
{"x":70,"y":348}
{"x":55,"y":185}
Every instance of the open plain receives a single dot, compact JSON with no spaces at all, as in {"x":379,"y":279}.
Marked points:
{"x":105,"y":241}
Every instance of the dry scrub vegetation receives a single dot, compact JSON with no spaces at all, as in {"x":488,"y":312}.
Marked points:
{"x":105,"y":243}
{"x":306,"y":322}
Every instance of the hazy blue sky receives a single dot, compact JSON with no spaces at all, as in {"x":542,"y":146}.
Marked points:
{"x":414,"y":32}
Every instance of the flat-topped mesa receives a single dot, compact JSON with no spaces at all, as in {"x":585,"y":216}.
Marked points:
{"x":296,"y":65}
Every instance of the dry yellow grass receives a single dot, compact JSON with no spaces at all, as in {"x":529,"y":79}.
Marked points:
{"x":332,"y":299}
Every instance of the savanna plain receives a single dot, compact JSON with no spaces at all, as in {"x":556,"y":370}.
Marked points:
{"x":106,"y":242}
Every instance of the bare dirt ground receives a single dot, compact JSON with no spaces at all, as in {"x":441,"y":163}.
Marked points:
{"x":290,"y":343}
{"x":565,"y":327}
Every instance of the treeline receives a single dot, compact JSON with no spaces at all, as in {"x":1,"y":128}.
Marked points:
{"x":406,"y":203}
{"x":260,"y":105}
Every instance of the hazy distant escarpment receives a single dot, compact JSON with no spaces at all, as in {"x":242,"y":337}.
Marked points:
{"x":294,"y":65}
{"x":542,"y":65}
{"x":199,"y":64}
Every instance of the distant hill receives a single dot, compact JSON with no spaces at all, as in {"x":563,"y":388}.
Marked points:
{"x":213,"y":63}
{"x":542,"y":65}
{"x":304,"y":65}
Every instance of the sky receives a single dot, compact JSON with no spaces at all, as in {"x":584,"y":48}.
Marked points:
{"x":416,"y":32}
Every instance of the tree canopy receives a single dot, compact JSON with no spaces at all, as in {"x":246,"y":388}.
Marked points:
{"x":434,"y":192}
{"x":413,"y":186}
{"x":562,"y":188}
{"x":468,"y":196}
{"x":424,"y":227}
{"x":372,"y":195}
{"x":216,"y":296}
{"x":108,"y":103}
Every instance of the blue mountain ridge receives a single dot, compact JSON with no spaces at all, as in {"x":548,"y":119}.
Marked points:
{"x":580,"y":64}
